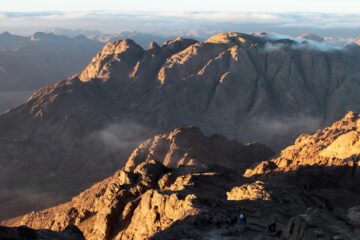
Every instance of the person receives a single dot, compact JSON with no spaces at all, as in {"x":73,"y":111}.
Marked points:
{"x":242,"y":219}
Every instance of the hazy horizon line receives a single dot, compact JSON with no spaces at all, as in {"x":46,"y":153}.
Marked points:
{"x":171,"y":22}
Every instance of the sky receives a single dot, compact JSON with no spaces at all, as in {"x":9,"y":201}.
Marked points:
{"x":175,"y":17}
{"x":323,"y":6}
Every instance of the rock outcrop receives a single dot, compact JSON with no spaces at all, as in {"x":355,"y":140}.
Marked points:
{"x":188,"y":146}
{"x":250,"y":88}
{"x":161,"y":194}
{"x":164,"y":181}
{"x":337,"y":145}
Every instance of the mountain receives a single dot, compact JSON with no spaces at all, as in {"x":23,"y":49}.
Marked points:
{"x":27,"y":63}
{"x":310,"y":36}
{"x":184,"y":185}
{"x":73,"y":32}
{"x":12,"y":42}
{"x":250,"y":88}
{"x":141,"y":38}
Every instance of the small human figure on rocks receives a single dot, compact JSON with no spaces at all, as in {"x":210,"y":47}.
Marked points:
{"x":242,"y":219}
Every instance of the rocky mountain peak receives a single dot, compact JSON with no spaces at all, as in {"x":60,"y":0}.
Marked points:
{"x":234,"y":38}
{"x":5,"y":34}
{"x":120,"y":46}
{"x":310,"y":36}
{"x":121,"y":55}
{"x":179,"y":43}
{"x":188,"y":146}
{"x":153,"y":45}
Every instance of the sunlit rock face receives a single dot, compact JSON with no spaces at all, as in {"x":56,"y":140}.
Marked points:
{"x":121,"y":55}
{"x":246,"y":87}
{"x":173,"y":188}
{"x":188,"y":146}
{"x":252,"y":191}
{"x":336,"y":145}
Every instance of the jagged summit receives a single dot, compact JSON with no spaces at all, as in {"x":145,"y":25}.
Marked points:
{"x":153,"y":45}
{"x":113,"y":55}
{"x":187,"y":146}
{"x":232,"y":37}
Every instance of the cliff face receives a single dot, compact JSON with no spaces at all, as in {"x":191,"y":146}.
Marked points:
{"x":172,"y":188}
{"x":244,"y":87}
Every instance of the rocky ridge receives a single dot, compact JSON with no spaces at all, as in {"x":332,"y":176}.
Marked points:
{"x":336,"y":145}
{"x":153,"y":197}
{"x":157,"y":183}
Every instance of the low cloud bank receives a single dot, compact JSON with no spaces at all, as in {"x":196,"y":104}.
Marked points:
{"x":323,"y":45}
{"x":177,"y":23}
{"x":122,"y":135}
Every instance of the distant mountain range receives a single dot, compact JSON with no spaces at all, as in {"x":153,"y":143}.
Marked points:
{"x":143,"y":39}
{"x":248,"y":87}
{"x":27,"y":63}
